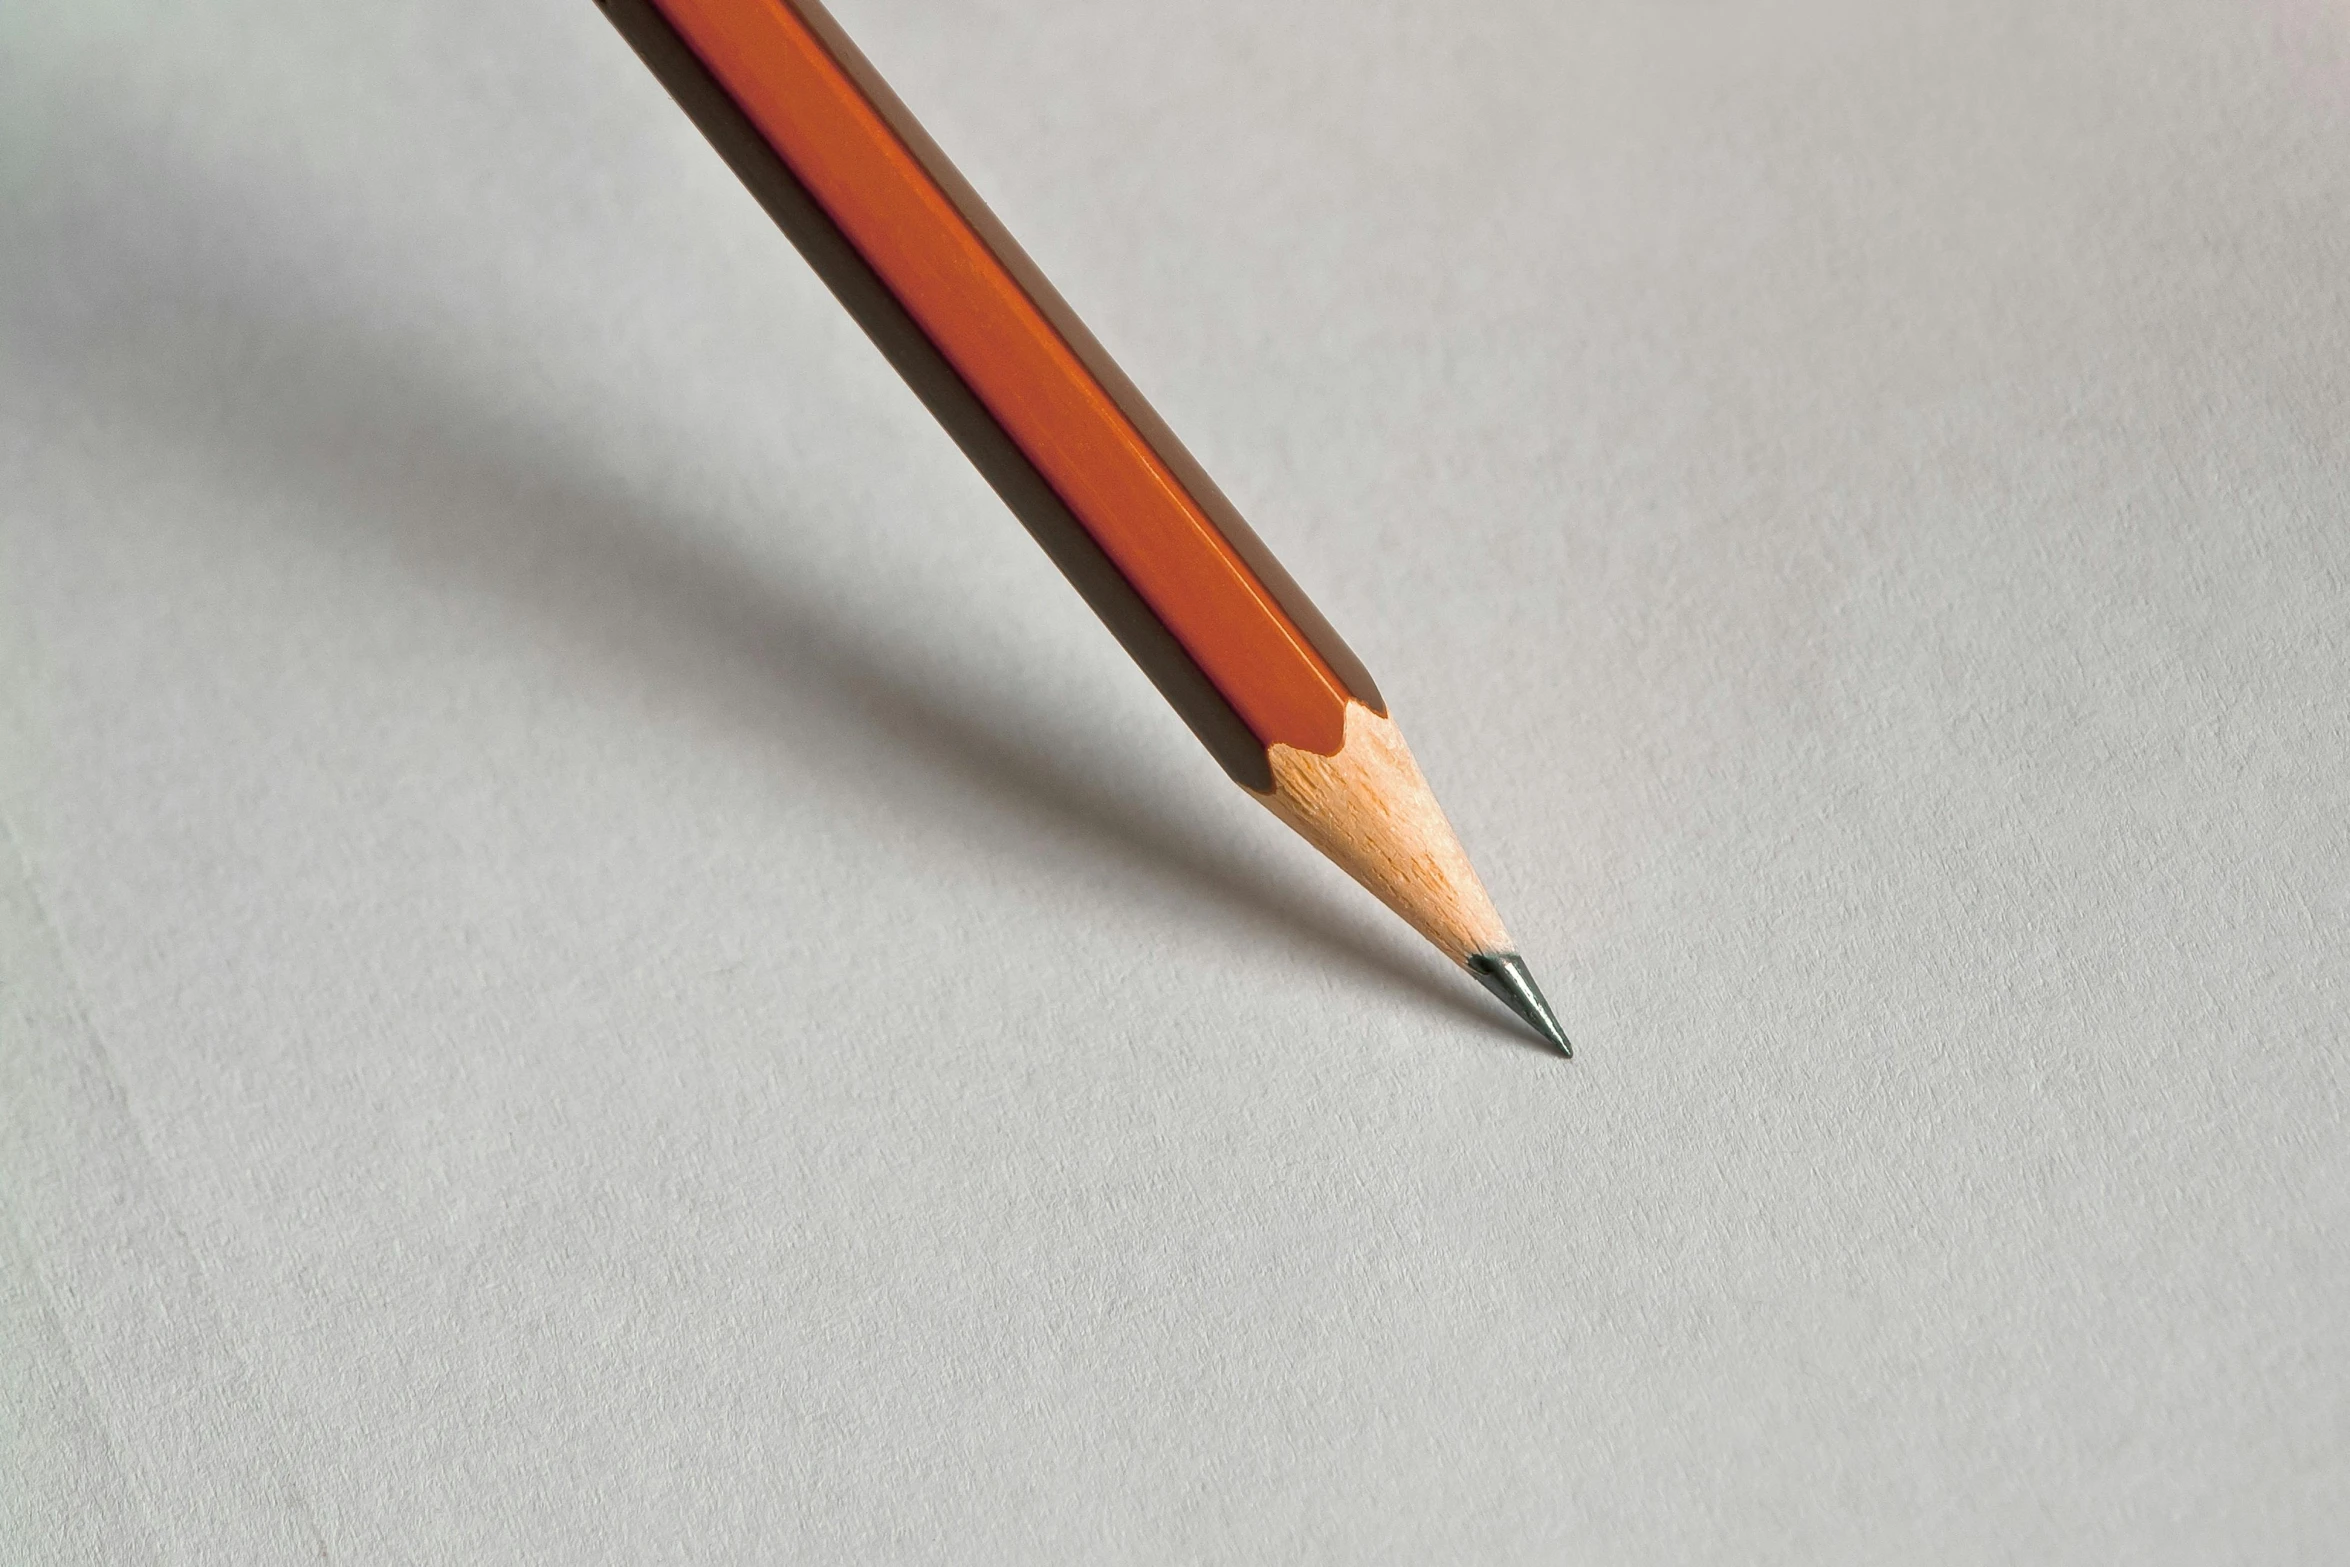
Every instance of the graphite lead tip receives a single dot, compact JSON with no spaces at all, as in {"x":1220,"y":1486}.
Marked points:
{"x":1504,"y":973}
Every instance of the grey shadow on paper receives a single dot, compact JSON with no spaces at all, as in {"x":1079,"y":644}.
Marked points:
{"x":194,"y":344}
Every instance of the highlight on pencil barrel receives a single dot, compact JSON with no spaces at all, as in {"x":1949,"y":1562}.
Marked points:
{"x":1040,"y":408}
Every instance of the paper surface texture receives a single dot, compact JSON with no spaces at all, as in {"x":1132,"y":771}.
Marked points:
{"x":602,"y":964}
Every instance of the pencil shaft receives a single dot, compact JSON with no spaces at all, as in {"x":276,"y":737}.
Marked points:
{"x":875,"y":308}
{"x":956,"y":282}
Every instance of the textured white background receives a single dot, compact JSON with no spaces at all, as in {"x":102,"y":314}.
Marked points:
{"x":602,"y":965}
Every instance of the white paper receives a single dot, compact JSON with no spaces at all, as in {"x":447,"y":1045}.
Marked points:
{"x":603,"y":965}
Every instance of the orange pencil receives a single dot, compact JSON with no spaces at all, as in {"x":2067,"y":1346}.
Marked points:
{"x":1125,"y":512}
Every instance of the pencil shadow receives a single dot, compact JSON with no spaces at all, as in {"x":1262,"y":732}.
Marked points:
{"x":197,"y":346}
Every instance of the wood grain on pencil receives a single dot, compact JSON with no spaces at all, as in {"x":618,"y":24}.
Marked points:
{"x":1370,"y":811}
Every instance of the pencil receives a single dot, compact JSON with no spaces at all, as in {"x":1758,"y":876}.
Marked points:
{"x":1040,"y":408}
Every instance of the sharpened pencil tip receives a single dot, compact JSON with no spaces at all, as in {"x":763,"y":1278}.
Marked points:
{"x":1504,"y":973}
